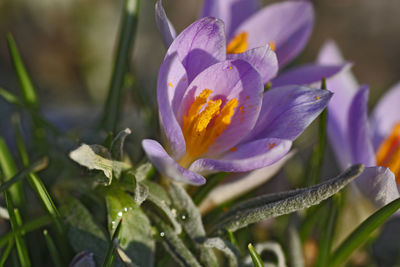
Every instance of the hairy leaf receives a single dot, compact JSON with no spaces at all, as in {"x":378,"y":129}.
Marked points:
{"x":273,"y":205}
{"x":226,"y":247}
{"x":117,"y":145}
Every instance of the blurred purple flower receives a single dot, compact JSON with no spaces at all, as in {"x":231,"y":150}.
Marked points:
{"x":214,"y":114}
{"x":355,"y":138}
{"x":284,"y":27}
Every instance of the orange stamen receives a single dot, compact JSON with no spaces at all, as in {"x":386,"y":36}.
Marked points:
{"x":238,"y":44}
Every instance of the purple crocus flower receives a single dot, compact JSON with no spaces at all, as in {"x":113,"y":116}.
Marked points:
{"x":355,"y":138}
{"x":285,"y":27}
{"x":214,"y":114}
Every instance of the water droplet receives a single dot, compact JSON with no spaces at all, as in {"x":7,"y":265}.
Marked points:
{"x":162,"y":234}
{"x":119,"y":214}
{"x":125,"y":209}
{"x":183,"y":217}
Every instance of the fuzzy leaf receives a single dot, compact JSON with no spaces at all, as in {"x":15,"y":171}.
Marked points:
{"x":273,"y":205}
{"x":226,"y":247}
{"x":117,"y":145}
{"x":143,"y":171}
{"x":94,"y":157}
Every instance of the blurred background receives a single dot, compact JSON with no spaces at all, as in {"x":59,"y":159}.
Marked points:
{"x":68,"y":45}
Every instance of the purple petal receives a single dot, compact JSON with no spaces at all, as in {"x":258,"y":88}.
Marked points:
{"x":263,"y":59}
{"x":228,"y":80}
{"x":231,"y":12}
{"x":288,"y":24}
{"x":249,"y":156}
{"x":378,"y":184}
{"x":359,"y":135}
{"x":172,"y":82}
{"x":287,"y":111}
{"x":168,"y":166}
{"x":165,"y":27}
{"x":386,"y":115}
{"x":200,"y":45}
{"x":307,"y":74}
{"x":237,"y":184}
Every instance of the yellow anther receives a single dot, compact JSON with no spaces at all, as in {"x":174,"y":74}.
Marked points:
{"x":201,"y":126}
{"x":388,"y":154}
{"x":272,"y":45}
{"x":170,"y":84}
{"x":238,"y":44}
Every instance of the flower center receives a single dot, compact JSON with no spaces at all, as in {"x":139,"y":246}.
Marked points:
{"x":239,"y":44}
{"x":388,"y":154}
{"x":203,"y":123}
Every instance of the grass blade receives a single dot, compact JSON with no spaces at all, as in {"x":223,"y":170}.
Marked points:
{"x":35,"y":167}
{"x":28,"y":90}
{"x":55,"y":256}
{"x":126,"y":37}
{"x":257,"y":261}
{"x":6,"y":252}
{"x":112,"y":248}
{"x":361,"y":233}
{"x":10,"y":97}
{"x":9,"y":169}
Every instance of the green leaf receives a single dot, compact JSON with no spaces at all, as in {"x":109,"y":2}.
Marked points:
{"x":28,"y":90}
{"x":143,"y":171}
{"x":10,"y":98}
{"x":123,"y":54}
{"x":174,"y":245}
{"x":82,"y":231}
{"x":112,"y":247}
{"x":227,"y":248}
{"x":136,"y":239}
{"x":191,"y":220}
{"x":273,"y":205}
{"x":9,"y":169}
{"x":96,"y":157}
{"x":255,"y":257}
{"x":361,"y":233}
{"x":55,"y":256}
{"x":6,"y":252}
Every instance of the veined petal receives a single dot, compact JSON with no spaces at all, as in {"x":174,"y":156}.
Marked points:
{"x":246,"y":157}
{"x":165,"y":26}
{"x":307,"y":74}
{"x":231,"y":12}
{"x":378,"y":184}
{"x":287,"y":111}
{"x":263,"y":59}
{"x":231,"y":79}
{"x":200,"y":45}
{"x":386,"y":115}
{"x":168,"y":166}
{"x":287,"y":24}
{"x":237,"y":184}
{"x":171,"y":84}
{"x":359,"y":135}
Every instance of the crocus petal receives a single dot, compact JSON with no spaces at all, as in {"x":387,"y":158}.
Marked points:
{"x":172,"y":81}
{"x":344,"y":86}
{"x":246,"y":157}
{"x":168,"y":166}
{"x":307,"y":74}
{"x":378,"y":184}
{"x":165,"y":27}
{"x":287,"y":24}
{"x":232,"y":12}
{"x":359,"y":135}
{"x":386,"y":114}
{"x":263,"y":59}
{"x":228,"y":80}
{"x":287,"y":111}
{"x":200,"y":45}
{"x":237,"y":184}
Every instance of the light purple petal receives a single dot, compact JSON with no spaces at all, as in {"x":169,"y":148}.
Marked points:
{"x":263,"y":59}
{"x":231,"y":12}
{"x":288,"y":24}
{"x":237,"y":184}
{"x":228,"y":80}
{"x":378,"y":184}
{"x":307,"y":74}
{"x":167,"y":166}
{"x":249,"y":156}
{"x":344,"y":86}
{"x":165,"y":27}
{"x":287,"y":111}
{"x":386,"y":115}
{"x":359,"y":135}
{"x":200,"y":45}
{"x":172,"y":82}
